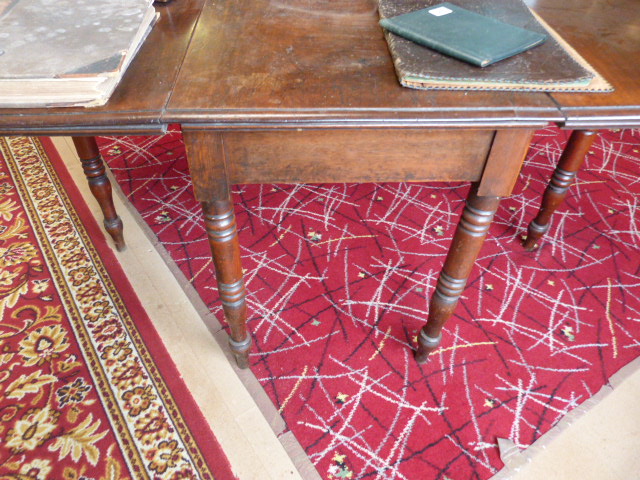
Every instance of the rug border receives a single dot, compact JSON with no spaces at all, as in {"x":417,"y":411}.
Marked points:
{"x":198,"y":426}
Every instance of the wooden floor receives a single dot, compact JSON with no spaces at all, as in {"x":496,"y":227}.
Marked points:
{"x":600,"y":440}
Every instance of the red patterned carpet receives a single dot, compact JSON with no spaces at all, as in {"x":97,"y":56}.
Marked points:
{"x":87,"y":390}
{"x":338,"y":279}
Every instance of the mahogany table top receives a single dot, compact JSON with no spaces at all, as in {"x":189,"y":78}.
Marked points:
{"x":321,"y":63}
{"x":276,"y":64}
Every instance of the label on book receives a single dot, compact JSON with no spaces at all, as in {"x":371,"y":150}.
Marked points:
{"x":440,"y":11}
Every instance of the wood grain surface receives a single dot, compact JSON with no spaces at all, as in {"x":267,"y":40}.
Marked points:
{"x":264,"y":63}
{"x":279,"y":64}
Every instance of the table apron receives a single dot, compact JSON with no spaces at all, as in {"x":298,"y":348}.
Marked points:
{"x":344,"y":156}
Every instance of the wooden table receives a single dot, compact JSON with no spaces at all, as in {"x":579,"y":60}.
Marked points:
{"x":271,"y":91}
{"x":275,"y":92}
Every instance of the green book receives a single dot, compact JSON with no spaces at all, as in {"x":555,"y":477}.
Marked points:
{"x":463,"y":34}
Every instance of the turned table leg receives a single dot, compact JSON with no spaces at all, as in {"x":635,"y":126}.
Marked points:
{"x":465,"y":246}
{"x":220,"y":223}
{"x":94,"y":170}
{"x":209,"y":173}
{"x":570,"y":162}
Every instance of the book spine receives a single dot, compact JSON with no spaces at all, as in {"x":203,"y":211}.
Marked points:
{"x":427,"y":42}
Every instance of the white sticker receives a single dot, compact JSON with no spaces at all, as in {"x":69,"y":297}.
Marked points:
{"x":440,"y":11}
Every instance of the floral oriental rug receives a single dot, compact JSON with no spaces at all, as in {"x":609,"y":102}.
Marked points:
{"x":87,"y":390}
{"x":338,"y":279}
